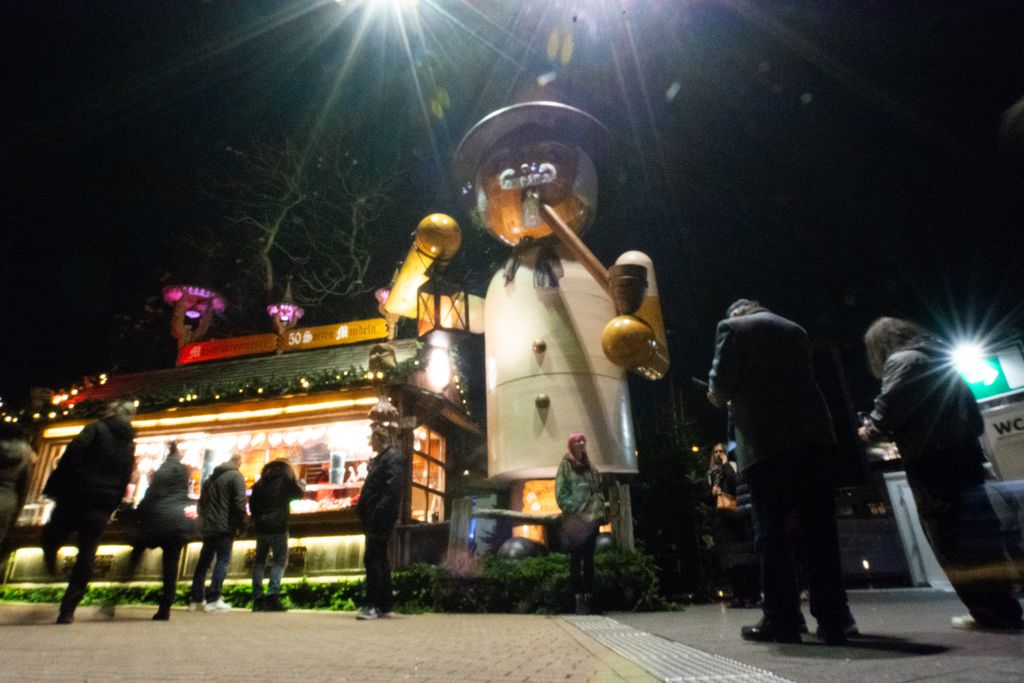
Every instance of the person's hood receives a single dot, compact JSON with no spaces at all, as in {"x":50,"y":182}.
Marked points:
{"x":224,"y":467}
{"x":121,"y":427}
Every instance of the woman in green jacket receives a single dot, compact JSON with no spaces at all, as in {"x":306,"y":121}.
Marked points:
{"x":579,"y":496}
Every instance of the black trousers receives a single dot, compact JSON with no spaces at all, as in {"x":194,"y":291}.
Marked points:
{"x":581,"y":543}
{"x":170,"y":559}
{"x":88,"y":524}
{"x":378,"y":572}
{"x":795,"y":487}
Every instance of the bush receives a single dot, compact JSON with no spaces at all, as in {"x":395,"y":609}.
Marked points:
{"x":534,"y":585}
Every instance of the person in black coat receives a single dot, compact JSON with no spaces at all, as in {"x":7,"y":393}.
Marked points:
{"x":731,"y":529}
{"x":934,"y":418}
{"x":162,"y":524}
{"x":221,"y":516}
{"x":379,"y":507}
{"x":269,"y":506}
{"x":88,"y":485}
{"x":785,"y":448}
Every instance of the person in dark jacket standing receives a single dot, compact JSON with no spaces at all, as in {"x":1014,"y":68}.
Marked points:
{"x":379,"y":507}
{"x":88,"y":485}
{"x":221,"y":515}
{"x":162,"y":524}
{"x":269,"y":505}
{"x":930,"y":412}
{"x":16,"y":459}
{"x":785,"y":448}
{"x":578,"y":492}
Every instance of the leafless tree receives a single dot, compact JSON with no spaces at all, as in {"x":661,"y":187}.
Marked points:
{"x":309,"y":214}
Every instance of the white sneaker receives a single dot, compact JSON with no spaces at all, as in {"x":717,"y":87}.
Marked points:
{"x":964,"y":623}
{"x":217,"y":605}
{"x":196,"y":606}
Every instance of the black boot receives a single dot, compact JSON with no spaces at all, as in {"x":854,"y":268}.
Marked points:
{"x":163,"y":612}
{"x":72,"y":596}
{"x":272,"y":603}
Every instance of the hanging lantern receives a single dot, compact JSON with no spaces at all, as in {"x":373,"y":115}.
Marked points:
{"x":441,"y":307}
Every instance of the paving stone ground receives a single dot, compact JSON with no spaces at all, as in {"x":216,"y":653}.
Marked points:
{"x":907,"y":638}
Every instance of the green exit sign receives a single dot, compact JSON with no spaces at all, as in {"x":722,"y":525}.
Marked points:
{"x":996,"y":374}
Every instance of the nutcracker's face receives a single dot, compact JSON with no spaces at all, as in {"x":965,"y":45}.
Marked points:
{"x":520,"y":175}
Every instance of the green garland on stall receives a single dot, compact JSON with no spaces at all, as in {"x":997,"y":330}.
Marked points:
{"x":299,"y":383}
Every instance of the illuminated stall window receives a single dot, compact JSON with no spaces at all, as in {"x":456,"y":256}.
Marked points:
{"x":332,"y":457}
{"x":428,"y":476}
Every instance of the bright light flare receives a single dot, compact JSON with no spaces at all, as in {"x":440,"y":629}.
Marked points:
{"x":439,"y":368}
{"x":969,"y":360}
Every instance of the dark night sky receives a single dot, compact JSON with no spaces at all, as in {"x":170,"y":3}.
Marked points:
{"x":838,"y":161}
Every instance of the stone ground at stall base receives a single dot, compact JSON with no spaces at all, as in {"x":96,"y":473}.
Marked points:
{"x":907,"y":637}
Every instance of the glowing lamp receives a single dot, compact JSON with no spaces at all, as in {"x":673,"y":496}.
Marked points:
{"x":195,"y":300}
{"x":438,"y":238}
{"x":195,"y":305}
{"x":441,"y":307}
{"x":285,"y":313}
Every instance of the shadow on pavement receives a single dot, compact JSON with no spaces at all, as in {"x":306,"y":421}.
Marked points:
{"x":864,"y":646}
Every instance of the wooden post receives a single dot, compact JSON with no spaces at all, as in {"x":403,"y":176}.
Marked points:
{"x":621,"y":515}
{"x":572,"y":242}
{"x":458,"y":531}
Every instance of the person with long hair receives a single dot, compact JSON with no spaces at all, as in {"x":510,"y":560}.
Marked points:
{"x":928,"y":409}
{"x":578,"y":492}
{"x":734,"y":544}
{"x":270,"y":506}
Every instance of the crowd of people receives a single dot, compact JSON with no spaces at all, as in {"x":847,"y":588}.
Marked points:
{"x":780,"y":479}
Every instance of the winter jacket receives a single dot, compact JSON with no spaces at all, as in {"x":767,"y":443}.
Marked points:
{"x":162,"y":510}
{"x":222,"y":502}
{"x":96,"y":466}
{"x":927,"y":409}
{"x":270,"y":500}
{"x":15,"y":468}
{"x":381,"y":498}
{"x":578,"y":491}
{"x":762,"y":367}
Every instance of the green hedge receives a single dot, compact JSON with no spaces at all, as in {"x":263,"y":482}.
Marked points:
{"x":624,"y":581}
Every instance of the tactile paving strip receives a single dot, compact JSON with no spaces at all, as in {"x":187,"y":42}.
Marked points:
{"x":666,"y":659}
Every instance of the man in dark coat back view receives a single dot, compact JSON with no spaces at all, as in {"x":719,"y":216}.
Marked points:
{"x":379,"y":507}
{"x":221,"y":515}
{"x":88,"y":485}
{"x":785,"y":446}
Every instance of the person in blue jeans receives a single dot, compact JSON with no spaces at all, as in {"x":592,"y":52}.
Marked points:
{"x":270,"y":507}
{"x":221,"y":515}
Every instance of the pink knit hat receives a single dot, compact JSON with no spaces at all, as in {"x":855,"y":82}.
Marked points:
{"x":575,"y":436}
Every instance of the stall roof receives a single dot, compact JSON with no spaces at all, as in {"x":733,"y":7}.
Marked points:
{"x":336,"y":366}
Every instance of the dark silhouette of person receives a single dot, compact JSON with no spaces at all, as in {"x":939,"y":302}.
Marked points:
{"x":379,"y":507}
{"x":930,"y":411}
{"x":16,"y":461}
{"x":88,"y":485}
{"x":162,"y":524}
{"x":221,"y":516}
{"x":786,"y":452}
{"x":269,"y":505}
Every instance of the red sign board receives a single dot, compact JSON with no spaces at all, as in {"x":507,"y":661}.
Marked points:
{"x":292,"y":340}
